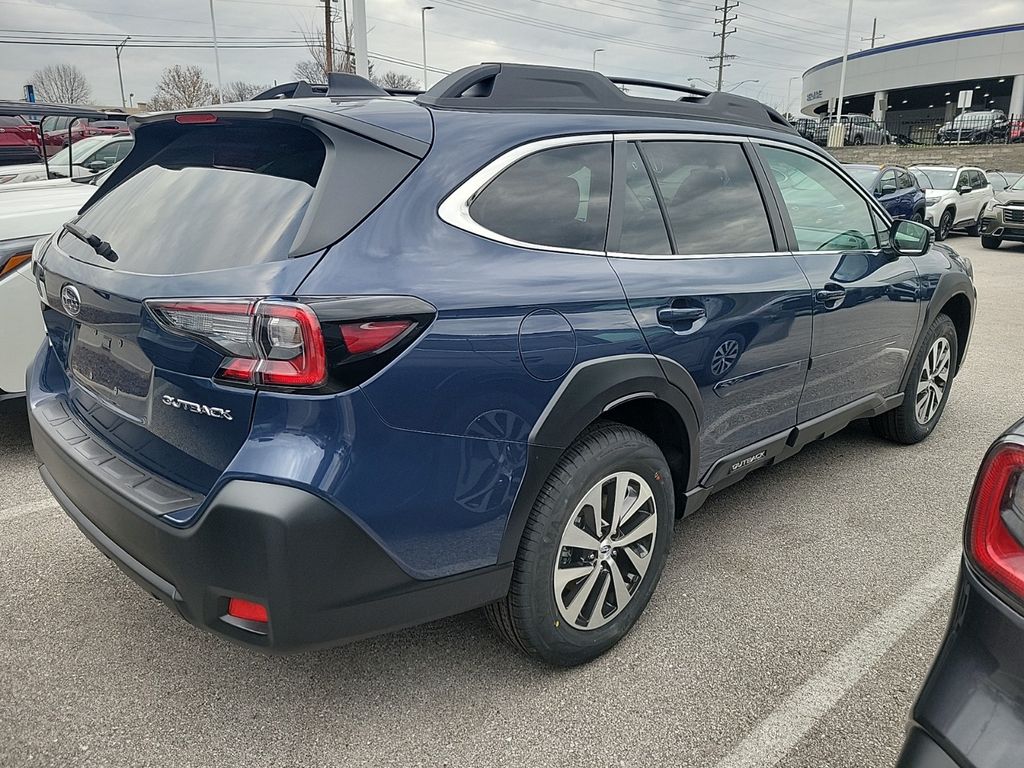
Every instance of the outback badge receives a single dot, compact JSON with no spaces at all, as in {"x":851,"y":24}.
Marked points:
{"x":205,"y":410}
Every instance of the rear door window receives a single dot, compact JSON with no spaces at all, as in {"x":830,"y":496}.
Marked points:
{"x":557,"y":197}
{"x":711,"y":198}
{"x":643,"y":225}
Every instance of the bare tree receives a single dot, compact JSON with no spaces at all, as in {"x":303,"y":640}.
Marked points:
{"x":240,"y":90}
{"x":314,"y":69}
{"x":181,"y":87}
{"x":396,"y":80}
{"x":62,"y":84}
{"x":310,"y":71}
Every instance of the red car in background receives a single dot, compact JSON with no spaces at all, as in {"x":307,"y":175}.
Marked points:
{"x":19,"y":141}
{"x":56,"y":131}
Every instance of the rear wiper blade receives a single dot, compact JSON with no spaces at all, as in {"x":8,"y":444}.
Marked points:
{"x":102,"y":247}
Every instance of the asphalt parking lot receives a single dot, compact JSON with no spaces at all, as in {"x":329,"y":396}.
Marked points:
{"x":793,"y":625}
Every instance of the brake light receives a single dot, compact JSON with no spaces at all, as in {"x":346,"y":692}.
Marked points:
{"x":995,"y":524}
{"x":361,"y":338}
{"x":194,"y":118}
{"x":271,"y":343}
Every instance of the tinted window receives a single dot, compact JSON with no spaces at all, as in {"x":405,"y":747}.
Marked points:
{"x":9,"y":121}
{"x":643,"y":226}
{"x":827,"y":214}
{"x":711,"y":198}
{"x":887,"y":184}
{"x":211,"y":198}
{"x":979,"y":180}
{"x":906,"y":181}
{"x":557,"y":197}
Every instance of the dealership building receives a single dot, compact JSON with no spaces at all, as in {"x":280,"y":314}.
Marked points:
{"x":917,"y":82}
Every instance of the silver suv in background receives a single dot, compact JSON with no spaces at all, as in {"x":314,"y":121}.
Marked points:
{"x":954,"y":197}
{"x":860,"y":129}
{"x":1002,"y":218}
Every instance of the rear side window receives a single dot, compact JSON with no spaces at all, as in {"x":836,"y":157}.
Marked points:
{"x":557,"y":197}
{"x":212,"y":197}
{"x":711,"y":199}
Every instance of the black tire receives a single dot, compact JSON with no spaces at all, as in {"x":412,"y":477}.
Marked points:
{"x":974,"y":229}
{"x":945,"y":224}
{"x":858,"y":140}
{"x":918,"y":217}
{"x":901,"y":425}
{"x":991,"y":242}
{"x":529,"y":617}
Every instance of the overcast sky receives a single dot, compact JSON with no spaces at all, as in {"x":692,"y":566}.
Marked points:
{"x":775,"y":40}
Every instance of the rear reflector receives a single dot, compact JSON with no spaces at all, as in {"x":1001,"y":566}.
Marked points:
{"x":193,"y":118}
{"x":247,"y":610}
{"x":995,"y":526}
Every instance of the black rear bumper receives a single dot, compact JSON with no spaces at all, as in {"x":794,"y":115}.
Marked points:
{"x":970,"y":713}
{"x":322,"y":578}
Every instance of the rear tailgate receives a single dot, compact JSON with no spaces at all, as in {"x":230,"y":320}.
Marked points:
{"x":231,"y":206}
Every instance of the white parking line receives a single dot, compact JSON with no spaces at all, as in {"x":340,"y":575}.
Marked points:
{"x":19,"y":510}
{"x":768,"y":743}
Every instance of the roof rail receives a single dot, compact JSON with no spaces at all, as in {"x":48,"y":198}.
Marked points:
{"x":339,"y":85}
{"x":528,"y":87}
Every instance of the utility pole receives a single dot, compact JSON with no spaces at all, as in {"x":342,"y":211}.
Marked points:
{"x":721,"y":56}
{"x":837,"y":132}
{"x":328,"y":38}
{"x":423,"y":29}
{"x":216,"y":53}
{"x":348,"y":38}
{"x":874,"y":33}
{"x":117,"y":53}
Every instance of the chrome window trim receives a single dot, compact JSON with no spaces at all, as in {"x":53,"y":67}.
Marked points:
{"x":454,"y":209}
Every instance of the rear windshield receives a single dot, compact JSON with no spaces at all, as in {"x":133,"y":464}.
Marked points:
{"x":216,"y":196}
{"x":9,"y":121}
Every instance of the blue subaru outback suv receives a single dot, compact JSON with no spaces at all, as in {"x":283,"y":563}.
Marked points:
{"x":323,"y":367}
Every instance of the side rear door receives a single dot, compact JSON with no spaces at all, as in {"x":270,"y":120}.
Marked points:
{"x":702,"y":257}
{"x":865,"y":296}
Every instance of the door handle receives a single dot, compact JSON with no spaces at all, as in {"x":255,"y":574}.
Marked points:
{"x":671,"y":315}
{"x":829,"y":296}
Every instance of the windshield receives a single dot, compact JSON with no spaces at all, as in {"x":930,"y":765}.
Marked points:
{"x":1018,"y":185}
{"x":863,"y":174}
{"x":78,"y":150}
{"x":934,"y":178}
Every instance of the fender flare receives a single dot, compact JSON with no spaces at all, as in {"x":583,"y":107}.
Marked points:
{"x":950,"y":284}
{"x":588,"y":390}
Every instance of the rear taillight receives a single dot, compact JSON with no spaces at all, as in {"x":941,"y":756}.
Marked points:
{"x":270,"y":343}
{"x":287,"y":344}
{"x":995,"y":522}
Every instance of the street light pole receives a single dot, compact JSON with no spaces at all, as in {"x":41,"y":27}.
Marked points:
{"x":789,"y":85}
{"x":596,"y":51}
{"x":423,"y":30}
{"x":216,"y":53}
{"x":837,"y":137}
{"x":117,"y":53}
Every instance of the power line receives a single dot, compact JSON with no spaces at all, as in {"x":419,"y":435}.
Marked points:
{"x":721,"y":56}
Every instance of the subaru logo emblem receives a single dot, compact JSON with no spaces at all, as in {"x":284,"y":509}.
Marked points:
{"x":70,"y":300}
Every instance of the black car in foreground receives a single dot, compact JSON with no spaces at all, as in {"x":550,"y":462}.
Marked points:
{"x":970,"y":712}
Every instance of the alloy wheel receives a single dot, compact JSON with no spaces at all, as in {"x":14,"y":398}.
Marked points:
{"x":931,"y":384}
{"x":724,"y":357}
{"x":945,"y":224}
{"x":605,"y":550}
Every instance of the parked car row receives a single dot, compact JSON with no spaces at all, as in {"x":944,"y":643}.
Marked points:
{"x":83,"y":158}
{"x":978,"y":127}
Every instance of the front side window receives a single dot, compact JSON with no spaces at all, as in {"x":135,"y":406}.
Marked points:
{"x":906,"y":180}
{"x":980,"y":182}
{"x":887,"y":184}
{"x":827,"y":213}
{"x":557,"y":197}
{"x":711,"y":198}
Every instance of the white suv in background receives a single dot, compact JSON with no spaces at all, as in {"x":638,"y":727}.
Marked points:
{"x":954,"y":197}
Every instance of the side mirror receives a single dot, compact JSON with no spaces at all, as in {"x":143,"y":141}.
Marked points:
{"x":964,"y":189}
{"x":97,"y":165}
{"x":908,"y":238}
